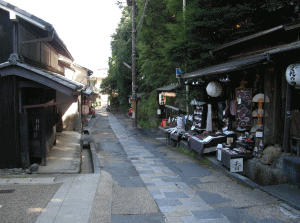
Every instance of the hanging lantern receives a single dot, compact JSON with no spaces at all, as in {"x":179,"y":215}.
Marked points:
{"x":292,"y":74}
{"x":214,"y":89}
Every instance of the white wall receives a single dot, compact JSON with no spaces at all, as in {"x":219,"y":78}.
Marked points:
{"x":70,"y":112}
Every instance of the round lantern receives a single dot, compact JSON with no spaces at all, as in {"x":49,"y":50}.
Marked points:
{"x":292,"y":74}
{"x":214,"y":89}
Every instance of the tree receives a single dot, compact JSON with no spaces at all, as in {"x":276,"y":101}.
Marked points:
{"x":119,"y":76}
{"x":168,"y":38}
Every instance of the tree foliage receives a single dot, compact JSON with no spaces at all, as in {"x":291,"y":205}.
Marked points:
{"x":169,"y":37}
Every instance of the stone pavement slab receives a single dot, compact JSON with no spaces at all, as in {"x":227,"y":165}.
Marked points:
{"x":149,"y":218}
{"x":43,"y":180}
{"x":164,"y":180}
{"x":65,"y":156}
{"x":73,"y":201}
{"x":19,"y":180}
{"x":28,"y":180}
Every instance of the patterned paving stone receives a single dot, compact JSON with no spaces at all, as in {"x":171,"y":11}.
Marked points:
{"x":162,"y":177}
{"x":212,"y":198}
{"x":166,"y":209}
{"x":149,"y":184}
{"x":155,"y":192}
{"x":192,"y":219}
{"x":175,"y":195}
{"x":207,"y":214}
{"x":168,"y":202}
{"x":171,"y":179}
{"x":188,"y":201}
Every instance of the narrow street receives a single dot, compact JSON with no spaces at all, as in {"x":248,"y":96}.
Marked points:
{"x":152,"y":182}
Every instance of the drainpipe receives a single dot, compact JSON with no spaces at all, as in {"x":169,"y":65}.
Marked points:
{"x":14,"y":20}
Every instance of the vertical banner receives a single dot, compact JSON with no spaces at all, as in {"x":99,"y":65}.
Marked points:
{"x":244,"y":107}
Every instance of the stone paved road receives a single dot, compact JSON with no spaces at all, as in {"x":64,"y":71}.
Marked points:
{"x":155,"y":183}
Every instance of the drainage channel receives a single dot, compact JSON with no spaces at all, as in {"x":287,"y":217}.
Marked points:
{"x":86,"y":156}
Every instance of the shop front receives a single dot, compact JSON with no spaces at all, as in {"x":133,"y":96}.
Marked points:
{"x":247,"y":106}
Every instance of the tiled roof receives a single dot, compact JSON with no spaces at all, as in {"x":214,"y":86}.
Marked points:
{"x":44,"y":77}
{"x":39,"y":23}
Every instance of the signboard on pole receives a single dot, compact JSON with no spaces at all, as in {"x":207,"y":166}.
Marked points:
{"x":179,"y":72}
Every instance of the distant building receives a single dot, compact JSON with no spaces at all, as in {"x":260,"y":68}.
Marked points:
{"x":95,"y":81}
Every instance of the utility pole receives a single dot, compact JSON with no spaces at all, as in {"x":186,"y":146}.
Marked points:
{"x":187,"y":89}
{"x":134,"y":86}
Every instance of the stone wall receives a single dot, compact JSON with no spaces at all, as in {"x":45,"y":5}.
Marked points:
{"x":265,"y":174}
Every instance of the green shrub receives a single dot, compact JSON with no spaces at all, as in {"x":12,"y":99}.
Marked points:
{"x":147,"y":111}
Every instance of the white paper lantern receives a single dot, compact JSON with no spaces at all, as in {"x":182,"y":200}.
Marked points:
{"x":292,"y":74}
{"x":214,"y":89}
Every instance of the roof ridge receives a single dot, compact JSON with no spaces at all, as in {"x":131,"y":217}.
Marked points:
{"x":9,"y":6}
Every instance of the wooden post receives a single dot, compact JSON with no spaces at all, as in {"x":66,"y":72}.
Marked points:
{"x":287,"y":123}
{"x":24,"y":139}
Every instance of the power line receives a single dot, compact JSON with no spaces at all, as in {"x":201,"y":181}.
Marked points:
{"x":138,"y":29}
{"x":141,"y":20}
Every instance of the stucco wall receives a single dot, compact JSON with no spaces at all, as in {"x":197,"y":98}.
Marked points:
{"x":70,"y":113}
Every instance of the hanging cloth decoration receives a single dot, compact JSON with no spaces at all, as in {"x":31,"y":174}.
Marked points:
{"x":233,"y":107}
{"x":209,"y":119}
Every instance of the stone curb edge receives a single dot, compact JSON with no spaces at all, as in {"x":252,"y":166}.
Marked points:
{"x":96,"y":164}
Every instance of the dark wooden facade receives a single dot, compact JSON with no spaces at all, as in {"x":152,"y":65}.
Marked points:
{"x":30,"y":79}
{"x":10,"y":154}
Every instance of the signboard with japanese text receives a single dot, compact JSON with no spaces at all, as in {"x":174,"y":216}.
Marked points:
{"x":236,"y":165}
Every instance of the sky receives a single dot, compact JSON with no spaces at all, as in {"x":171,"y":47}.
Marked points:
{"x":84,"y":26}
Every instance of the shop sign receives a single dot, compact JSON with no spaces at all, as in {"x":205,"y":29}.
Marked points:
{"x":85,"y":109}
{"x":169,"y":94}
{"x":236,"y":165}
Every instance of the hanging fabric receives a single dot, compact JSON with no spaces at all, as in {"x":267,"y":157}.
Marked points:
{"x":209,"y":118}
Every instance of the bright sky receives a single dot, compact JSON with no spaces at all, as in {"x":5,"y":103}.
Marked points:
{"x":84,"y":26}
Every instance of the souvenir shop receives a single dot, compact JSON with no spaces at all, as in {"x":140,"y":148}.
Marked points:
{"x":228,"y":115}
{"x":247,"y":106}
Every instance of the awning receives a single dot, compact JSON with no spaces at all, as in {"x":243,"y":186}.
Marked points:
{"x":229,"y":66}
{"x":167,"y":88}
{"x":47,"y":78}
{"x":285,"y":48}
{"x":243,"y":63}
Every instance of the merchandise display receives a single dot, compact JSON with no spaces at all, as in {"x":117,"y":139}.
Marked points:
{"x":221,"y":123}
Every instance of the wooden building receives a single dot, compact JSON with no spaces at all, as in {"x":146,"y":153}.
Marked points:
{"x":32,"y":85}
